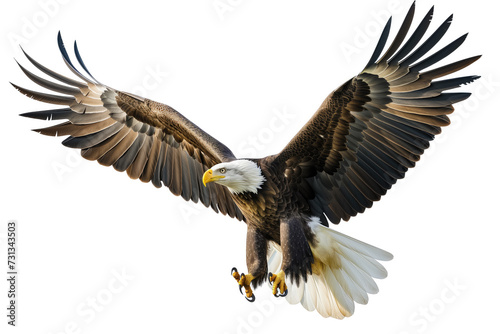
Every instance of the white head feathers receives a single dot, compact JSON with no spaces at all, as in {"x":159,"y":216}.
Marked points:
{"x":239,"y":176}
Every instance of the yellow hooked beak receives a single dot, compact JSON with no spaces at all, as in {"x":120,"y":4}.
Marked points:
{"x":208,"y":177}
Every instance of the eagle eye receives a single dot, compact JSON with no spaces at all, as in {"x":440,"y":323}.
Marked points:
{"x":222,"y":170}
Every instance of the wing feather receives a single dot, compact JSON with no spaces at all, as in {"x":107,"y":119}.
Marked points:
{"x":368,"y":132}
{"x":135,"y":170}
{"x":129,"y":156}
{"x":150,"y":140}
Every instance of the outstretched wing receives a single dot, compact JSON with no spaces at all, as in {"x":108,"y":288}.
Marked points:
{"x":149,"y":140}
{"x":369,"y":131}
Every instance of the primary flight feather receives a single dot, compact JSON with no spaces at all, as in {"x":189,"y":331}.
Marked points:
{"x":363,"y":138}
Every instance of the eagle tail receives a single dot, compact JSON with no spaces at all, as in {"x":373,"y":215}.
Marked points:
{"x":343,"y":273}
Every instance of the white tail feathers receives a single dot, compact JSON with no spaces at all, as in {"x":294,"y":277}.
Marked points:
{"x":343,"y":273}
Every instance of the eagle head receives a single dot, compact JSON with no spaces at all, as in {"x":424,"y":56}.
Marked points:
{"x":238,"y":176}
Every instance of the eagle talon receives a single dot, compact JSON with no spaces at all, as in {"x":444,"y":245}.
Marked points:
{"x":244,"y":282}
{"x":281,"y":294}
{"x":251,"y":299}
{"x":278,"y":282}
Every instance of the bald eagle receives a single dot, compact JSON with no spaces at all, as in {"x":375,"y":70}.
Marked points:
{"x":363,"y":138}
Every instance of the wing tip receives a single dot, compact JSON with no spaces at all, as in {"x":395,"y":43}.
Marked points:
{"x":18,"y":88}
{"x":430,"y":13}
{"x":60,"y":42}
{"x":62,"y":49}
{"x":72,"y":67}
{"x":80,"y":61}
{"x":28,"y":115}
{"x":471,"y":60}
{"x":380,"y":44}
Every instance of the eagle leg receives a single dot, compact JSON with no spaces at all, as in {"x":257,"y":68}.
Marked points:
{"x":256,"y":263}
{"x":297,"y":255}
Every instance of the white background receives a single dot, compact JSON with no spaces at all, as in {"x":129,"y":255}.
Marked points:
{"x":231,"y":73}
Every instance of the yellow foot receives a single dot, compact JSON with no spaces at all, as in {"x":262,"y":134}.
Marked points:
{"x":244,"y":282}
{"x":278,"y":281}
